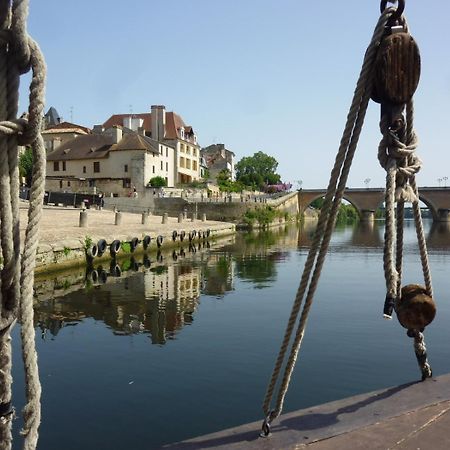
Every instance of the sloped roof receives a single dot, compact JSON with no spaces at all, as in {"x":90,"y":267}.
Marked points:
{"x":134,"y":141}
{"x":174,"y":122}
{"x":95,"y":146}
{"x":52,"y":116}
{"x":66,"y":127}
{"x":89,"y":146}
{"x":117,"y":119}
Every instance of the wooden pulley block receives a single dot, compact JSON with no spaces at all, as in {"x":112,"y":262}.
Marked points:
{"x":415,"y":309}
{"x":397,"y":68}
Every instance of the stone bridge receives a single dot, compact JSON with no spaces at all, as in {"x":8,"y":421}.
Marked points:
{"x":368,"y":200}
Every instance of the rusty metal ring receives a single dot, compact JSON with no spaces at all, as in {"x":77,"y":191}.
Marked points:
{"x":398,"y":12}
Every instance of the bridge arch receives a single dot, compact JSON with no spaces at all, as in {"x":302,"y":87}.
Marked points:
{"x":312,"y":198}
{"x":434,"y":210}
{"x":368,"y":200}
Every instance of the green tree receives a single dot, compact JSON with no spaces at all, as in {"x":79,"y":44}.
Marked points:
{"x":257,"y":170}
{"x":26,"y":165}
{"x":158,"y":182}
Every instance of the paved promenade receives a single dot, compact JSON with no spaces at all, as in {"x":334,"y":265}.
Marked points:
{"x":414,"y":416}
{"x":59,"y":223}
{"x":62,"y":240}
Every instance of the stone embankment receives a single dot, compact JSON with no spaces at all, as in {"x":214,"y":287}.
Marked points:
{"x":63,"y":242}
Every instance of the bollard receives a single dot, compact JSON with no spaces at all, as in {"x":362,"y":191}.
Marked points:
{"x":83,"y":206}
{"x":203,"y":217}
{"x":165,"y":218}
{"x":83,"y":219}
{"x":118,"y":219}
{"x":180,"y":218}
{"x":145,"y":218}
{"x":194,"y":217}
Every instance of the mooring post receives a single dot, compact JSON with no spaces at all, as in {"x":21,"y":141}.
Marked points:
{"x":83,"y":219}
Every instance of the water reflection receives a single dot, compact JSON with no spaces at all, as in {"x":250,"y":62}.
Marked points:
{"x":159,"y":296}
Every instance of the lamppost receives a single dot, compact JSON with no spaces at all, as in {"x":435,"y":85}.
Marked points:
{"x":439,"y":180}
{"x":367,"y":182}
{"x":444,"y":179}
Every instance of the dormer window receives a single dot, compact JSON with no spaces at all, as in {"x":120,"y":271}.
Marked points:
{"x":195,"y":139}
{"x":182,"y":132}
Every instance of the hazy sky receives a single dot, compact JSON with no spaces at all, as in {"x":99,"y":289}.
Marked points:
{"x":276,"y":76}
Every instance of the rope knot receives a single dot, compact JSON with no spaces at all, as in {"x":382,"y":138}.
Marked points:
{"x":10,"y":127}
{"x":20,"y":127}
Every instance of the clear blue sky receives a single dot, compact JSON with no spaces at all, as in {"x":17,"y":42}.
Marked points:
{"x":276,"y":76}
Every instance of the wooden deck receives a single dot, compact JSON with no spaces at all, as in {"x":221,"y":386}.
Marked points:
{"x":411,"y":416}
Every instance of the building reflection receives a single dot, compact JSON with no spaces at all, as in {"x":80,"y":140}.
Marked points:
{"x":158,"y":302}
{"x":218,"y":274}
{"x":159,"y":297}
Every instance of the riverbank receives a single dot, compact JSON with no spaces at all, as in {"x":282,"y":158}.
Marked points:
{"x":63,"y":243}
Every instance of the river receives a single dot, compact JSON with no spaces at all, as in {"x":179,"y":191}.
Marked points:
{"x":173,"y":349}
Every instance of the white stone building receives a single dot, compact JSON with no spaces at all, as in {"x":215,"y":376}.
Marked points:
{"x":116,"y":161}
{"x":168,"y":128}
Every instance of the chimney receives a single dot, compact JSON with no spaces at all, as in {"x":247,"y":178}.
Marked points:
{"x":116,"y":133}
{"x":158,"y":122}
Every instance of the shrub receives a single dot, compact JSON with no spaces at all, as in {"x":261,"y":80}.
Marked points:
{"x":157,"y":182}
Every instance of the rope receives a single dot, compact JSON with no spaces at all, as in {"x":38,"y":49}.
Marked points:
{"x":327,"y":218}
{"x":18,"y":54}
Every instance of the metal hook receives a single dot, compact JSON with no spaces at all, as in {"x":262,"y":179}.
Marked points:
{"x":398,"y":12}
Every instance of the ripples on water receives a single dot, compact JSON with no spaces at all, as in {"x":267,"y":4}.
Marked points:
{"x":175,"y":349}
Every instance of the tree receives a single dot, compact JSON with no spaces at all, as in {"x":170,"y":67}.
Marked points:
{"x":223,"y":176}
{"x":26,"y":165}
{"x":257,"y":170}
{"x":157,"y":182}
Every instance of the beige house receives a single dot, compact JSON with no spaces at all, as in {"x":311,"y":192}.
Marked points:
{"x":170,"y":129}
{"x":115,"y":161}
{"x":218,"y":158}
{"x":55,"y":135}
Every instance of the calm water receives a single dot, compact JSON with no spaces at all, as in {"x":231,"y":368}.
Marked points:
{"x":186,"y":347}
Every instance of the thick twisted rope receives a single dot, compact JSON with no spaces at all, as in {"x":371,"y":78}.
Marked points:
{"x":396,"y":154}
{"x":18,"y":54}
{"x":322,"y":236}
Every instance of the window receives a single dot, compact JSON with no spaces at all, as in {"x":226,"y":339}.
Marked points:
{"x":125,"y":168}
{"x":84,"y":169}
{"x":161,"y":149}
{"x":64,"y":166}
{"x":167,"y":166}
{"x":194,"y":165}
{"x":153,"y":169}
{"x":91,"y":183}
{"x":68,"y":184}
{"x":188,"y":163}
{"x":162,"y":165}
{"x":56,"y":166}
{"x":194,"y":151}
{"x":96,"y":166}
{"x":60,"y":184}
{"x":167,"y":152}
{"x":188,"y":150}
{"x":126,"y":183}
